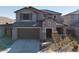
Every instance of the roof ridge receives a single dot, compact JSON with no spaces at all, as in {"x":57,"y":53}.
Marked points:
{"x":73,"y":12}
{"x":39,"y":10}
{"x":46,"y":10}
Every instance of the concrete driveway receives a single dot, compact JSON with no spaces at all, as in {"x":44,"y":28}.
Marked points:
{"x":25,"y":46}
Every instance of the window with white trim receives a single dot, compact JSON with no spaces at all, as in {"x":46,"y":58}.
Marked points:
{"x":26,"y":16}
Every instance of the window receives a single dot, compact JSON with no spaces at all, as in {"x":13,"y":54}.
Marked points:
{"x":54,"y":17}
{"x":26,"y":16}
{"x":76,"y":19}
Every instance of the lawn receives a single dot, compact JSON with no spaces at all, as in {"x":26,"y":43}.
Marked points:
{"x":5,"y":43}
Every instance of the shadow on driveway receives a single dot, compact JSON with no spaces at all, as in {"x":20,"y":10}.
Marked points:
{"x":25,"y":46}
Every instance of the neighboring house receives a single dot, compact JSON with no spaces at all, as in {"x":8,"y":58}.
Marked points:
{"x":72,"y":20}
{"x":6,"y":26}
{"x":32,"y":23}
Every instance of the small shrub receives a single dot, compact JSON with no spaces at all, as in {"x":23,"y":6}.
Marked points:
{"x":75,"y":48}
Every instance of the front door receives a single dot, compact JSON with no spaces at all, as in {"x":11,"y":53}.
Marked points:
{"x":48,"y":33}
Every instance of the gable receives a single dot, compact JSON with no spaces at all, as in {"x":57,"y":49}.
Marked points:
{"x":28,"y":9}
{"x":37,"y":10}
{"x":25,"y":11}
{"x":49,"y":23}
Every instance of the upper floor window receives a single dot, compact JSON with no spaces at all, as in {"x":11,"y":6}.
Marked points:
{"x":26,"y":16}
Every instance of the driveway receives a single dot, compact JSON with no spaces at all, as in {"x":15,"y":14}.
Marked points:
{"x":25,"y":46}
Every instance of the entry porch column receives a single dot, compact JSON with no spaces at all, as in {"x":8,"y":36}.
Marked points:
{"x":64,"y":31}
{"x":14,"y":33}
{"x":43,"y":33}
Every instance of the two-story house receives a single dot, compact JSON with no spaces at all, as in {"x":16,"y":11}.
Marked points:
{"x":72,"y":20}
{"x":32,"y":23}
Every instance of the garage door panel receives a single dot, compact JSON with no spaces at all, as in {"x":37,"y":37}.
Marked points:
{"x":24,"y":33}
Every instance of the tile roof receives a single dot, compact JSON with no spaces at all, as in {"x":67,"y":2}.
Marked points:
{"x":38,"y":11}
{"x":74,"y":12}
{"x":50,"y":12}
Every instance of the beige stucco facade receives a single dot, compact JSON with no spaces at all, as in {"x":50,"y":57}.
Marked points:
{"x":18,"y":19}
{"x":67,"y":19}
{"x":46,"y":24}
{"x":77,"y":31}
{"x":72,"y":20}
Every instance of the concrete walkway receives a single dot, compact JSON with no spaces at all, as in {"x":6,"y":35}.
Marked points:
{"x":25,"y":46}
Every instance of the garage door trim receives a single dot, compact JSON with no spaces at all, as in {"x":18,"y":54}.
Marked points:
{"x":28,"y":27}
{"x":34,"y":36}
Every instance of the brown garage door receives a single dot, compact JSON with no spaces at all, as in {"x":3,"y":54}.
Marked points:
{"x":29,"y":33}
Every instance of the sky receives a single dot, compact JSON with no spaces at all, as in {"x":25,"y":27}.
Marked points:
{"x":8,"y":11}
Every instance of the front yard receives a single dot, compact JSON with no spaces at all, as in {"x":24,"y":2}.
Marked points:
{"x":65,"y":45}
{"x":5,"y":43}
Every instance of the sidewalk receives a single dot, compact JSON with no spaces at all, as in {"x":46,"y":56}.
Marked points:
{"x":5,"y":51}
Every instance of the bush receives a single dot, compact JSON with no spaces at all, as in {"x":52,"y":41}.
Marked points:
{"x":75,"y":48}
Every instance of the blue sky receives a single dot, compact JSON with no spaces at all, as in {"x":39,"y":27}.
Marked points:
{"x":8,"y":11}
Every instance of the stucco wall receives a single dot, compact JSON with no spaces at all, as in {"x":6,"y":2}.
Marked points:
{"x":48,"y":24}
{"x":76,"y":31}
{"x":2,"y":31}
{"x":14,"y":33}
{"x":71,"y":19}
{"x":34,"y":15}
{"x":67,"y":19}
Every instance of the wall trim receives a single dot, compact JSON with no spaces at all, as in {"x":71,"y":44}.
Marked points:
{"x":27,"y":27}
